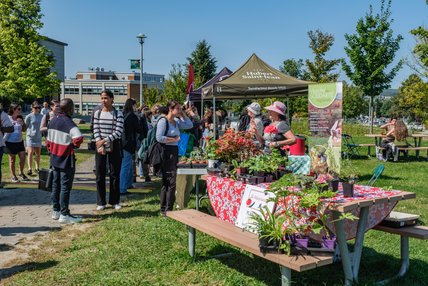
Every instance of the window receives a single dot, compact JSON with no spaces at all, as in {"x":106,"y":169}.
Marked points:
{"x":71,"y":89}
{"x":118,"y":89}
{"x":91,"y":89}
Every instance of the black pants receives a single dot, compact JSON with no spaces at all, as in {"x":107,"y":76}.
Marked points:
{"x":115,"y":163}
{"x":169,"y":176}
{"x":387,"y":151}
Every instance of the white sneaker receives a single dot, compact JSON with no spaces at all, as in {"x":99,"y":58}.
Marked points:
{"x":101,"y":208}
{"x":117,"y":207}
{"x":56,"y":215}
{"x":68,"y":219}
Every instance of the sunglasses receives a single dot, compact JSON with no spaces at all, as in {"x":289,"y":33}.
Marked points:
{"x":37,"y":107}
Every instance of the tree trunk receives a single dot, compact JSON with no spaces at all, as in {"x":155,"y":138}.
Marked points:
{"x":371,"y":114}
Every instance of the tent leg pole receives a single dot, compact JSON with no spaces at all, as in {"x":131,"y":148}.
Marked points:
{"x":214,"y":119}
{"x":288,"y":112}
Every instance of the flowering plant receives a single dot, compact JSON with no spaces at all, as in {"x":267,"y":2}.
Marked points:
{"x":233,"y":145}
{"x":271,"y":129}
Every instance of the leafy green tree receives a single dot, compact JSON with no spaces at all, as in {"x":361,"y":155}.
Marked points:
{"x":204,"y":64}
{"x":354,"y":103}
{"x":321,"y":69}
{"x":413,"y":98}
{"x":296,"y":68}
{"x":24,"y":63}
{"x":386,"y":108}
{"x":153,"y":95}
{"x":175,"y":84}
{"x":371,"y":50}
{"x":420,"y":51}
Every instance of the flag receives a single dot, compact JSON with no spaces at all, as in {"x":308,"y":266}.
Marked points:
{"x":190,"y":82}
{"x":135,"y":64}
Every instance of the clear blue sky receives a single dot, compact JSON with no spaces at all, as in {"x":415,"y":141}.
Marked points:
{"x":102,"y":33}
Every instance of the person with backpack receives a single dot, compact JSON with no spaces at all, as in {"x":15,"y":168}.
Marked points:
{"x":131,"y":130}
{"x":108,"y":128}
{"x":168,"y":134}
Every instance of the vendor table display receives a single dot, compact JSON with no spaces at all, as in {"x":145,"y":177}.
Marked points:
{"x":226,"y":194}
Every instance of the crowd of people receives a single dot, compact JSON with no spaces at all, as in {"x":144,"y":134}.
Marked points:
{"x":118,"y":136}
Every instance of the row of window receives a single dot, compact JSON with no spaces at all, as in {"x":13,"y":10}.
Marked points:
{"x":95,"y":90}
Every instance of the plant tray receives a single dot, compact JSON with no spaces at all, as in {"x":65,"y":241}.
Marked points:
{"x":199,"y":166}
{"x":397,"y":219}
{"x":183,"y":166}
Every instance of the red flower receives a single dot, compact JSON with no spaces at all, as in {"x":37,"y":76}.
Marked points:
{"x":271,"y":129}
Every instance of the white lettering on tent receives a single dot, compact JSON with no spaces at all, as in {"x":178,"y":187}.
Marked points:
{"x":259,"y":75}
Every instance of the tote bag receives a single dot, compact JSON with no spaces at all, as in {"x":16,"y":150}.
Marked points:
{"x":182,"y":144}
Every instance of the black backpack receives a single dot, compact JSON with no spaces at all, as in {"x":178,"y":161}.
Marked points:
{"x":154,"y":154}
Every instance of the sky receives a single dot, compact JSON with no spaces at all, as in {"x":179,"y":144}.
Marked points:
{"x":102,"y":33}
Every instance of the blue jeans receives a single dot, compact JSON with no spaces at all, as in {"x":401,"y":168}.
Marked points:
{"x":61,"y":187}
{"x":126,"y":172}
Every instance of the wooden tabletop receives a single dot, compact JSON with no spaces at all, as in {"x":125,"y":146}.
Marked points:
{"x":349,"y":206}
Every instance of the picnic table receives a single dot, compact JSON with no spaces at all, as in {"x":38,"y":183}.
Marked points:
{"x":370,"y":204}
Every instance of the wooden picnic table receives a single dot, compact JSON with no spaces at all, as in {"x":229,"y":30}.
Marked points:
{"x":417,"y":137}
{"x":370,"y":204}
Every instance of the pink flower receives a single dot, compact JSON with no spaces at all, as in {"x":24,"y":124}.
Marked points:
{"x":271,"y":129}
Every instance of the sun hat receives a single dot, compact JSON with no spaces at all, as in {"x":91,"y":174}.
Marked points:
{"x":254,"y":108}
{"x":277,"y":107}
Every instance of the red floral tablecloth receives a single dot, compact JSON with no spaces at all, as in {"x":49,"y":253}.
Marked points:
{"x":225,"y":195}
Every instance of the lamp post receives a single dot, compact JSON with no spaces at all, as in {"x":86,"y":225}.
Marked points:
{"x":141,"y":38}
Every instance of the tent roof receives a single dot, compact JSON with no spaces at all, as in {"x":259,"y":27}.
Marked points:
{"x":196,"y":94}
{"x":256,"y":79}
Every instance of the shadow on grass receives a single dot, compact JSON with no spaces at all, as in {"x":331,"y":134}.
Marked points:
{"x":30,"y":266}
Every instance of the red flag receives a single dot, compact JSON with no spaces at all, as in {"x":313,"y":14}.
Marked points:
{"x":190,"y":81}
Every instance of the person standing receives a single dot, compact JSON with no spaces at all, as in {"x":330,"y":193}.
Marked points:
{"x":131,"y":130}
{"x":168,"y":133}
{"x":253,"y":111}
{"x":34,"y":137}
{"x":108,"y":128}
{"x":14,"y":142}
{"x":45,"y":109}
{"x":63,"y":137}
{"x":54,"y":110}
{"x":5,"y":127}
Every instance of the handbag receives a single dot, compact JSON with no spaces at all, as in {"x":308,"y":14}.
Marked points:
{"x":46,"y":180}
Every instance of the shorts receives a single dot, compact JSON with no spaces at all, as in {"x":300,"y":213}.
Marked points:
{"x":15,"y":147}
{"x":33,"y":142}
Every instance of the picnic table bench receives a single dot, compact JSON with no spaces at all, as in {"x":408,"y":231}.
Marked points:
{"x":414,"y":231}
{"x":247,"y":241}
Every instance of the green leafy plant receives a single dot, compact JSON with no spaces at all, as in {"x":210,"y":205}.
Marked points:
{"x":349,"y":172}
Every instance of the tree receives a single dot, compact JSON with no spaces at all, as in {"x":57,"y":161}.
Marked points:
{"x":204,"y":64}
{"x":175,"y":84}
{"x":298,"y":105}
{"x":420,"y":51}
{"x":413,"y":98}
{"x":353,"y":101}
{"x":321,"y":69}
{"x":371,"y":50}
{"x":153,"y":95}
{"x":24,"y":63}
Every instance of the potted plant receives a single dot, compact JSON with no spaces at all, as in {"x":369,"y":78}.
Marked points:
{"x":349,"y":175}
{"x":197,"y":159}
{"x":211,"y":154}
{"x":271,"y":231}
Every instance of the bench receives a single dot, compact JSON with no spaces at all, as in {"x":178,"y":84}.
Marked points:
{"x":247,"y":241}
{"x":414,"y":231}
{"x":417,"y":149}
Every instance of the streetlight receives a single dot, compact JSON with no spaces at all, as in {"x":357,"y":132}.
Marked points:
{"x":141,"y":38}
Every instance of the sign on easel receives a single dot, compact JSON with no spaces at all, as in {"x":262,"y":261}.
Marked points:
{"x":253,"y":199}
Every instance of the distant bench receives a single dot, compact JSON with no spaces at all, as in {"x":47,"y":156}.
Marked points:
{"x":247,"y":241}
{"x":406,"y":149}
{"x":415,"y":231}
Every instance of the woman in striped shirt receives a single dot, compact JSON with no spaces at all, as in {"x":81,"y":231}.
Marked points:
{"x":108,"y":128}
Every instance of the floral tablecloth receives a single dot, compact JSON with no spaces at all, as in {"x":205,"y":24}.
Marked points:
{"x":226,"y":194}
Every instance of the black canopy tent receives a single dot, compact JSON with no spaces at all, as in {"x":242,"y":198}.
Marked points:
{"x":197,"y":93}
{"x":253,"y":80}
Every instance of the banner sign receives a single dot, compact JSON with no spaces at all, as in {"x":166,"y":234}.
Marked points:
{"x":325,"y":127}
{"x":253,"y":199}
{"x":135,"y":64}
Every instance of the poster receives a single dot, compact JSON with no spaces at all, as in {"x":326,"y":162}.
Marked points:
{"x":253,"y":199}
{"x":325,"y":127}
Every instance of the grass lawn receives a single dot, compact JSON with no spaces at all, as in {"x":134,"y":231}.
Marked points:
{"x":135,"y":246}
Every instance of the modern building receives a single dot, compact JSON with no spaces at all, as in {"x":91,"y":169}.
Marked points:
{"x":85,"y":89}
{"x":58,"y":51}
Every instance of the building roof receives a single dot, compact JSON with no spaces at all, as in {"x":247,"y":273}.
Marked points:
{"x":54,"y":41}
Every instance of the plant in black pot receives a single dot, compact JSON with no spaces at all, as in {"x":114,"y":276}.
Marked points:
{"x":349,"y":175}
{"x":270,"y":229}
